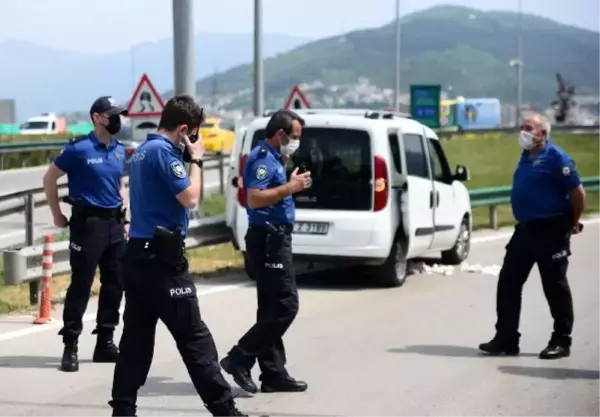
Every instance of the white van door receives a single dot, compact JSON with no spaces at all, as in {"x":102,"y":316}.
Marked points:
{"x":446,"y":218}
{"x":231,"y":188}
{"x":413,"y":188}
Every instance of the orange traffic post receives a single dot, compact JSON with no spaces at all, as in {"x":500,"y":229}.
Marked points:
{"x":46,"y":299}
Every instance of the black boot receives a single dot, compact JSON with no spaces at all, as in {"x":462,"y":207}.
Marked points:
{"x":501,"y":346}
{"x":106,"y":351}
{"x":226,"y":408}
{"x":70,"y":361}
{"x":558,"y":347}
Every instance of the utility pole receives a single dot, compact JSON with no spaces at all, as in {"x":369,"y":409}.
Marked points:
{"x":258,"y":102}
{"x":519,"y":62}
{"x":183,"y":48}
{"x":397,"y":56}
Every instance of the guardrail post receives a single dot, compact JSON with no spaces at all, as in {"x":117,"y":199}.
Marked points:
{"x":202,"y":184}
{"x":221,"y":174}
{"x":493,"y":211}
{"x":34,"y":286}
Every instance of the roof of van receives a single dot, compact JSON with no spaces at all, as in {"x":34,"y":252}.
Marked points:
{"x":350,"y":121}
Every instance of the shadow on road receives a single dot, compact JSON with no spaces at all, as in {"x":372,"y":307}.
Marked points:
{"x":333,"y":280}
{"x":196,"y":411}
{"x":34,"y":361}
{"x":166,"y":387}
{"x":448,"y":351}
{"x":550,"y":373}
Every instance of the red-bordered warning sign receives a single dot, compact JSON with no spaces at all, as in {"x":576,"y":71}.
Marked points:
{"x":296,"y":100}
{"x":146,"y":101}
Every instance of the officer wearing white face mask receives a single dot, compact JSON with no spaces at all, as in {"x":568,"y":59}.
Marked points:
{"x":271,"y":216}
{"x":547,"y":201}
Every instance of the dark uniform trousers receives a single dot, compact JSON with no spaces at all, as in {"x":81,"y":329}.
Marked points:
{"x":96,"y":240}
{"x":547,"y":244}
{"x":270,"y":253}
{"x":155,"y":290}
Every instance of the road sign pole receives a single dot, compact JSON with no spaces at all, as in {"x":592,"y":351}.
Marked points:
{"x":259,"y":82}
{"x":183,"y":47}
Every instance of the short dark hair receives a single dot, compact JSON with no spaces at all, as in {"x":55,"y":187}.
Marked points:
{"x":282,"y":119}
{"x":181,"y":110}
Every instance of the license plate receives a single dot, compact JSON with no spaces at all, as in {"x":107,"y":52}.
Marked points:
{"x":311,"y":228}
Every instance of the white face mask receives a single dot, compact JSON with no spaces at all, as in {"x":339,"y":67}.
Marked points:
{"x":526,"y":140}
{"x":291,"y":147}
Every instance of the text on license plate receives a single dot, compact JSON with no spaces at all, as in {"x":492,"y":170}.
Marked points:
{"x":311,"y":228}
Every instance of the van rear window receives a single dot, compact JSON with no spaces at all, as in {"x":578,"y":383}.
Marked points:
{"x":340,"y":163}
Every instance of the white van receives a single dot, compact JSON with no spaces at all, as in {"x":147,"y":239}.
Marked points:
{"x":382,"y":193}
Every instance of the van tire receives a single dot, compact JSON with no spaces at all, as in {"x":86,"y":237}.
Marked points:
{"x":460,"y":251}
{"x":393,"y":272}
{"x":248,"y":267}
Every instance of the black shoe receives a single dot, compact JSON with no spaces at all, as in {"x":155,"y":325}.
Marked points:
{"x":288,"y":384}
{"x":497,"y":347}
{"x":240,"y":375}
{"x":225,"y":409}
{"x":70,"y":361}
{"x":122,"y":410}
{"x":555,"y":351}
{"x":105,"y":351}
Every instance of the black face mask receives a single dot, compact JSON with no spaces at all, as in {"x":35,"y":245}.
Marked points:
{"x":114,"y":124}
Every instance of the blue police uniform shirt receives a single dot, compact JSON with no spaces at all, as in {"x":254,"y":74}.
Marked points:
{"x":94,"y":170}
{"x":157,"y":174}
{"x":541,"y":184}
{"x":265,"y":169}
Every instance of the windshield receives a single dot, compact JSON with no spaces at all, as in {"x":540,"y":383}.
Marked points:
{"x":340,"y":164}
{"x":35,"y":125}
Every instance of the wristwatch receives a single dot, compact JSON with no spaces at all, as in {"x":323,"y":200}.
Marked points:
{"x":198,"y":162}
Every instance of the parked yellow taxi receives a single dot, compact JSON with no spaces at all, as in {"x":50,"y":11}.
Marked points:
{"x":218,"y":134}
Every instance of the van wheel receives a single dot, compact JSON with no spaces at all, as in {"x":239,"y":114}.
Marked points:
{"x":462,"y":246}
{"x":394,"y":271}
{"x":248,"y":267}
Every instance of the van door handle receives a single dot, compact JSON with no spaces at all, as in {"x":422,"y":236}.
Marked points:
{"x":437,"y":198}
{"x":431,"y":199}
{"x":234,"y":182}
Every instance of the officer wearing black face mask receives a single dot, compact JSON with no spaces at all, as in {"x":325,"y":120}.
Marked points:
{"x":94,"y":165}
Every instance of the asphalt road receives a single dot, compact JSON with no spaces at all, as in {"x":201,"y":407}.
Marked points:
{"x":363,"y":351}
{"x":12,"y":227}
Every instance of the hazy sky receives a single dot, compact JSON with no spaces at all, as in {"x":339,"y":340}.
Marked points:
{"x":109,"y":25}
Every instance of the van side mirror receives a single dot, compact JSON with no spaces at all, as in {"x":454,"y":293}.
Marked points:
{"x":462,"y":173}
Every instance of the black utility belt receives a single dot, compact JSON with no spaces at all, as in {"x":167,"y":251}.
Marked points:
{"x":552,"y":221}
{"x":100,"y":212}
{"x":267,"y":227}
{"x":166,"y":246}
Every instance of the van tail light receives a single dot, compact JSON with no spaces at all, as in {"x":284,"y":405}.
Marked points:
{"x":381,"y":186}
{"x":241,"y":194}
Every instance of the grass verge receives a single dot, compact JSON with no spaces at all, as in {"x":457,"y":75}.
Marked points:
{"x":491,"y":161}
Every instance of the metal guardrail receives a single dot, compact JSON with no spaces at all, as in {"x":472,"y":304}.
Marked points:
{"x":573,"y":129}
{"x":496,"y":196}
{"x":34,"y":198}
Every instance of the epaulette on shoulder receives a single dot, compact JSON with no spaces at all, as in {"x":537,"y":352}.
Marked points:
{"x":78,"y":138}
{"x":262,"y":152}
{"x":119,"y":143}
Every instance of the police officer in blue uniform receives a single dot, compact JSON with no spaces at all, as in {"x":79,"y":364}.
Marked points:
{"x":94,"y":165}
{"x":158,"y":285}
{"x":547,"y":201}
{"x":271,"y":216}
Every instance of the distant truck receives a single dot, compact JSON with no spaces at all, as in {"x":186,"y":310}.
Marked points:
{"x":44,"y":124}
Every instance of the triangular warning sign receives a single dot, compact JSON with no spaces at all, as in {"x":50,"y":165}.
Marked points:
{"x":296,"y":100}
{"x":145,"y":102}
